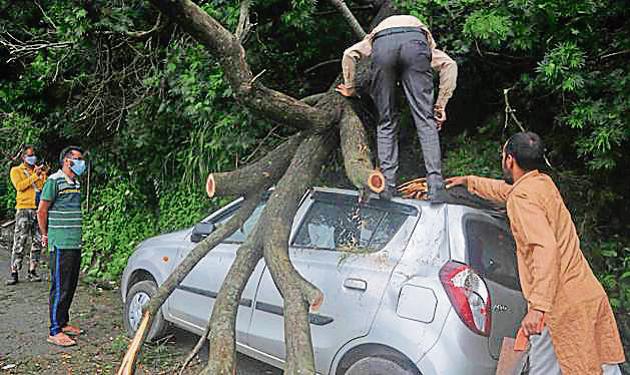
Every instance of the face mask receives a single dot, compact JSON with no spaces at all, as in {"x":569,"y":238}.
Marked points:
{"x":30,"y":160}
{"x":78,"y":167}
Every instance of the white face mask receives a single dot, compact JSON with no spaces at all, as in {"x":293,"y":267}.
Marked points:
{"x":30,"y":160}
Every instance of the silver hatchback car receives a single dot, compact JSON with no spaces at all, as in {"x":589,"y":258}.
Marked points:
{"x":410,"y":287}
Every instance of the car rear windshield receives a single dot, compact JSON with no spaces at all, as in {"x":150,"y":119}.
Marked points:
{"x":491,"y":251}
{"x":337,"y":222}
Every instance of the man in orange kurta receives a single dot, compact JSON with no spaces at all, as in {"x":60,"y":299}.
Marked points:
{"x":555,"y":277}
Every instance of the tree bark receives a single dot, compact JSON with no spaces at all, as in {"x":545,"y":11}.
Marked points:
{"x":222,"y":324}
{"x":298,"y":293}
{"x":259,"y":175}
{"x":347,"y":14}
{"x":356,"y":154}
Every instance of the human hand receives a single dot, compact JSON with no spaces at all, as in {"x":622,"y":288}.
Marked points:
{"x":38,"y":169}
{"x":532,"y":323}
{"x":345,"y":90}
{"x":439,"y":113}
{"x":456,"y":181}
{"x":45,"y":241}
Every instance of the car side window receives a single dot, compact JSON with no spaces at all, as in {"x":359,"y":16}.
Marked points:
{"x":492,"y":252}
{"x":347,"y":227}
{"x":240,"y":235}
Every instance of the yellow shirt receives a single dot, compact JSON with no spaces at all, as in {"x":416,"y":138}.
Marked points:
{"x":25,"y":182}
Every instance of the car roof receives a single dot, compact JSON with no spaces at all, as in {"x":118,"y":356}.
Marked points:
{"x":457,"y":196}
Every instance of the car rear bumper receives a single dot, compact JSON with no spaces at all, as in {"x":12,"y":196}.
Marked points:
{"x":458,"y":351}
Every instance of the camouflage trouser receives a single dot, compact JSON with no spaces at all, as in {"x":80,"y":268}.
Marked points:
{"x":26,"y":229}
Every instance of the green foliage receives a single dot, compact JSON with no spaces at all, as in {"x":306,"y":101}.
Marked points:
{"x":7,"y":198}
{"x":470,"y":156}
{"x":612,"y":257}
{"x":561,"y":67}
{"x":300,"y":14}
{"x":488,"y":26}
{"x":181,"y":207}
{"x":117,"y":223}
{"x":569,"y":56}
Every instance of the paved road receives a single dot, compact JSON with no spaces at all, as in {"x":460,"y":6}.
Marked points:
{"x":23,"y":332}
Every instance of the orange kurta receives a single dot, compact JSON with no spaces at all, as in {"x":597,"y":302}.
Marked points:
{"x":555,"y":277}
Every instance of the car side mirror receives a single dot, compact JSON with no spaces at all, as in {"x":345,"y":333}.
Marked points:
{"x":201,"y":231}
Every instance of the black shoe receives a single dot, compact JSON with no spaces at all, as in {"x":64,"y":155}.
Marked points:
{"x":34,"y":277}
{"x":13,"y":279}
{"x":437,"y":194}
{"x":389,"y":193}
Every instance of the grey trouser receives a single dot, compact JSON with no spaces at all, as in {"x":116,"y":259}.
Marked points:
{"x":404,"y":57}
{"x":26,"y":228}
{"x":543,"y":361}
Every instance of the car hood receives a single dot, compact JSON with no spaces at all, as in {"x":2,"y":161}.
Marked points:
{"x":167,"y":239}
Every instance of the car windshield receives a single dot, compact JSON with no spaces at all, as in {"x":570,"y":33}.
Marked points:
{"x":344,"y":225}
{"x":241,"y":234}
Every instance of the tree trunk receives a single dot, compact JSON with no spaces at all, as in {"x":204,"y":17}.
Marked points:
{"x":222,"y":332}
{"x":298,"y":293}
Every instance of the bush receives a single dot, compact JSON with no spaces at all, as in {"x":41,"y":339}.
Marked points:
{"x":180,"y":206}
{"x":119,"y":221}
{"x":467,"y":155}
{"x":7,"y":199}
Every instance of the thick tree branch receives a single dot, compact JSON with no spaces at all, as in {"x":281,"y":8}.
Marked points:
{"x":298,"y":293}
{"x":356,"y":154}
{"x":181,"y":271}
{"x":319,"y":65}
{"x":313,"y":99}
{"x":347,"y":14}
{"x":143,"y":34}
{"x":259,"y":175}
{"x":272,"y":104}
{"x":222,"y":332}
{"x":243,"y":27}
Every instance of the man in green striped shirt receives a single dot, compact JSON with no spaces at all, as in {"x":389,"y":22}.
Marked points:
{"x":59,"y":217}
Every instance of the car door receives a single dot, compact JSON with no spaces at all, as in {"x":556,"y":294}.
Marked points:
{"x":491,"y":253}
{"x":193,"y":300}
{"x":349,"y":252}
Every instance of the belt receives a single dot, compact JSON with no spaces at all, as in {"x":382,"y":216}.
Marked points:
{"x":398,"y":30}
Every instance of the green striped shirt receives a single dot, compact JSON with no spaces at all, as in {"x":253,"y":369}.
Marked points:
{"x":64,"y":214}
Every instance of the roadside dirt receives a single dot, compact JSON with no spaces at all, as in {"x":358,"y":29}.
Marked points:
{"x":24,"y":328}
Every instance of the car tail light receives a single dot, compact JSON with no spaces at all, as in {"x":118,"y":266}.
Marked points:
{"x":469,"y":295}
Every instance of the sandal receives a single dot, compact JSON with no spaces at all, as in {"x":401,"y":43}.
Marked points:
{"x":71,"y":330}
{"x":62,"y":340}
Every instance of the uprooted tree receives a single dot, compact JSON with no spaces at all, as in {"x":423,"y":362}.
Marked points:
{"x":322,"y":122}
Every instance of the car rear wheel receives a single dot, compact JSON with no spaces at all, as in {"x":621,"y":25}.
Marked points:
{"x":378,"y":366}
{"x":139,"y":296}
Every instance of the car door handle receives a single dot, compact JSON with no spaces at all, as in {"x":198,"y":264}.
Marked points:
{"x":356,"y":284}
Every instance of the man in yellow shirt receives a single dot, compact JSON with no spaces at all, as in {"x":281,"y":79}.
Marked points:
{"x":28,"y":180}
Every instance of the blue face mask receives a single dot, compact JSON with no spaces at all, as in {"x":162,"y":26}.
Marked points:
{"x":78,"y":167}
{"x":30,"y":160}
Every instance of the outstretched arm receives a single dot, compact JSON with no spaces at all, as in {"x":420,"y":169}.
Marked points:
{"x":486,"y":188}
